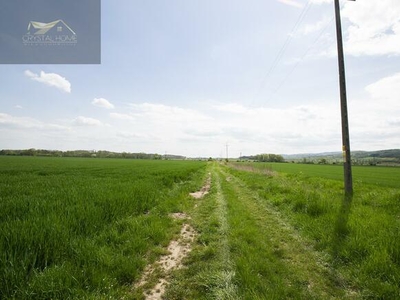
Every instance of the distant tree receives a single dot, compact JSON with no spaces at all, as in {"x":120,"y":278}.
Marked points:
{"x":322,"y":161}
{"x":157,"y":156}
{"x":269,"y":158}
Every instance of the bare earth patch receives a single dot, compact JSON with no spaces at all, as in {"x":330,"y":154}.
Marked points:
{"x":178,"y":250}
{"x":204,"y":190}
{"x":179,"y":216}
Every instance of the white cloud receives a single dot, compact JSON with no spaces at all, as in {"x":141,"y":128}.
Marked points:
{"x":158,"y":127}
{"x":101,"y":102}
{"x":321,"y":1}
{"x":18,"y":107}
{"x":30,"y":74}
{"x":160,"y":113}
{"x":375,"y":27}
{"x":302,"y":128}
{"x":298,"y":121}
{"x":134,"y":135}
{"x":85,"y":121}
{"x":13,"y":122}
{"x":386,"y":91}
{"x":232,"y":108}
{"x":374,"y":121}
{"x":27,"y":132}
{"x":394,"y":121}
{"x":291,"y":3}
{"x":311,"y":28}
{"x":50,"y":79}
{"x":121,"y":116}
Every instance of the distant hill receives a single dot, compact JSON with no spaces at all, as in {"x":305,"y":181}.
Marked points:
{"x":393,"y":153}
{"x":311,"y":155}
{"x":380,"y":157}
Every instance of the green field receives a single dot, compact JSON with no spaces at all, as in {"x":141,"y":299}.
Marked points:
{"x":384,"y":176}
{"x":361,"y":236}
{"x":77,"y":228}
{"x":85,"y":228}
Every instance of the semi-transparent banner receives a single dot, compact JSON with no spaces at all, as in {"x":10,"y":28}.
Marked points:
{"x":50,"y":32}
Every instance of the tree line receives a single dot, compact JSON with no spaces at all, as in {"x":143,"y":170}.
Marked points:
{"x":80,"y":153}
{"x":265,"y":157}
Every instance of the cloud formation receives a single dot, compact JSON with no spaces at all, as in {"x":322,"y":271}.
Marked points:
{"x":375,"y":28}
{"x":50,"y":79}
{"x":293,"y":3}
{"x":316,"y":27}
{"x":85,"y":121}
{"x":254,"y":129}
{"x":321,"y":1}
{"x":103,"y":103}
{"x":374,"y":121}
{"x":386,"y":90}
{"x":13,"y":122}
{"x":121,"y":116}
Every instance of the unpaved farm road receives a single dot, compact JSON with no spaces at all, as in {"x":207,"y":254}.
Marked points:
{"x":256,"y":254}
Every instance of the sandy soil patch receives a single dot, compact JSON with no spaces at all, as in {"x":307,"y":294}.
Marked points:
{"x":177,"y":250}
{"x":204,"y":190}
{"x":179,"y":216}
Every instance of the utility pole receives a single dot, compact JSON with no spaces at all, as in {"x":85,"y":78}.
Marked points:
{"x":348,"y":179}
{"x":226,"y":151}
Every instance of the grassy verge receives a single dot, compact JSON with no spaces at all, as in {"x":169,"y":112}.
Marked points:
{"x":272,"y":261}
{"x":360,"y":235}
{"x":85,"y":228}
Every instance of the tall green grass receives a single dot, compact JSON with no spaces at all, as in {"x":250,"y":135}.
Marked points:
{"x":361,"y":234}
{"x":383,"y":176}
{"x":85,"y":228}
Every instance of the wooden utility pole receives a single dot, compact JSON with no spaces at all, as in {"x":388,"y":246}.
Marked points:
{"x":348,"y":179}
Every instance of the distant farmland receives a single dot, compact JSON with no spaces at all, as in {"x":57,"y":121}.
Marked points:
{"x":385,"y":176}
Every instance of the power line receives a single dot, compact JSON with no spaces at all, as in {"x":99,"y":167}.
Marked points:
{"x":301,"y":59}
{"x":279,"y":56}
{"x":303,"y":56}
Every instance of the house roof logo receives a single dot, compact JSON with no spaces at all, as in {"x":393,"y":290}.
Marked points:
{"x":53,"y":33}
{"x":43,"y":28}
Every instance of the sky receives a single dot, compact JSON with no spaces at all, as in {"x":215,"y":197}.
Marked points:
{"x":190,"y":77}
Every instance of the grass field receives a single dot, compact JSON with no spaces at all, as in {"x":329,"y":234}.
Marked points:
{"x":361,"y":235}
{"x":85,"y":228}
{"x":383,"y":176}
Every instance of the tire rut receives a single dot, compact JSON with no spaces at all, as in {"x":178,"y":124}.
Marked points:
{"x":295,"y":252}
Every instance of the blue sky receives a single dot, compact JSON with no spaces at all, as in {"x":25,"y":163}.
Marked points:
{"x":187,"y":77}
